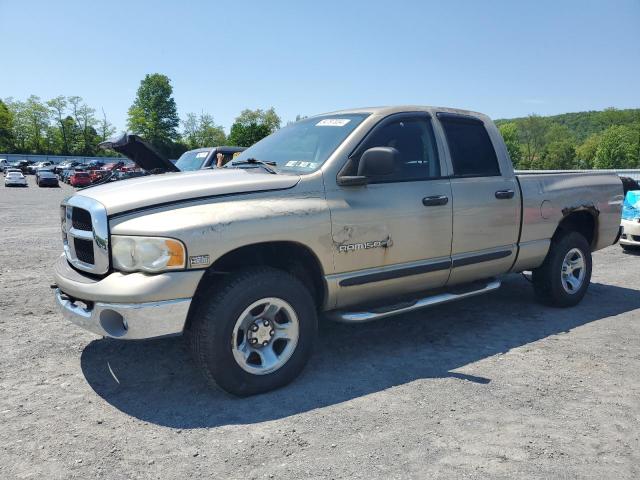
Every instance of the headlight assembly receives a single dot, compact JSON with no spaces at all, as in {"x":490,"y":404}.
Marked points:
{"x":147,"y":254}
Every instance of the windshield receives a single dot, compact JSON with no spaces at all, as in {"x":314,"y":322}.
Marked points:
{"x":192,"y":160}
{"x":303,"y":147}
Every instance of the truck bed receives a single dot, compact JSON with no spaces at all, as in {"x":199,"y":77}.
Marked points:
{"x":549,"y":197}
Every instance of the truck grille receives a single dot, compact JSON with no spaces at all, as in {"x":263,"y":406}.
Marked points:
{"x":85,"y":234}
{"x":84,"y":250}
{"x":81,"y":219}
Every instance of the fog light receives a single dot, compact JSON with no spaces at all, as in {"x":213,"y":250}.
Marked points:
{"x":113,"y":323}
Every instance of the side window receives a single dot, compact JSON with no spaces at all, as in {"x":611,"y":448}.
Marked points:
{"x":472,"y":152}
{"x":415,"y":141}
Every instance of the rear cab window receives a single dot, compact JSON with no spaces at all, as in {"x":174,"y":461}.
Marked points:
{"x":472,"y":152}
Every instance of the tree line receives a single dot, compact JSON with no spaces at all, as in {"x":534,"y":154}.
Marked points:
{"x":68,"y":126}
{"x":60,"y":126}
{"x":598,"y":139}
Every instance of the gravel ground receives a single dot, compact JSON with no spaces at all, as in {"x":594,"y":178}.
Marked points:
{"x":492,"y":387}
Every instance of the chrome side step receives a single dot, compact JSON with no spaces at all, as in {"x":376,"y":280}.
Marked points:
{"x":382,"y":312}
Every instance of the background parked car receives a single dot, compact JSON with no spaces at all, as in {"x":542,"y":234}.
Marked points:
{"x":39,"y":170}
{"x":124,"y":174}
{"x":66,"y":174}
{"x":96,"y":175}
{"x":97,"y":165}
{"x":67,"y":164}
{"x":80,"y":179}
{"x":32,"y":169}
{"x":21,"y":165}
{"x":46,"y":178}
{"x":10,"y":170}
{"x":15,"y":179}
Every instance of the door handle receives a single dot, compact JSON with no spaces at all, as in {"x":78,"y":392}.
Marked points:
{"x":435,"y":200}
{"x":504,"y":194}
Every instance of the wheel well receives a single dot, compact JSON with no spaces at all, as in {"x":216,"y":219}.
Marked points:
{"x":581,"y":221}
{"x":292,"y":257}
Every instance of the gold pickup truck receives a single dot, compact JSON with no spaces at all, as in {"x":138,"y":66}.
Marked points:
{"x":356,"y":215}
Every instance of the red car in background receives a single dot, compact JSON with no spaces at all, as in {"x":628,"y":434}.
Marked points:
{"x":80,"y":179}
{"x":96,"y":175}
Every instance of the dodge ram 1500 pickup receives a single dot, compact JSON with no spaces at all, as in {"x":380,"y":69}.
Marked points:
{"x":356,"y":215}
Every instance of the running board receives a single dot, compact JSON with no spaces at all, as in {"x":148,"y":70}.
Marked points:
{"x":409,"y":306}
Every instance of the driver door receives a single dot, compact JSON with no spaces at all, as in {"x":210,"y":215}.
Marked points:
{"x":393,"y":235}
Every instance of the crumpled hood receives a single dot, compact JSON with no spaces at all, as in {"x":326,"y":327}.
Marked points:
{"x":152,"y":190}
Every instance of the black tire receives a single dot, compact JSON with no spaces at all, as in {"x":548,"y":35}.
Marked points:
{"x":547,"y":279}
{"x":213,"y":320}
{"x":630,"y":248}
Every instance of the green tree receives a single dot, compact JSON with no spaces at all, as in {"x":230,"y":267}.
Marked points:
{"x":202,"y":131}
{"x":618,"y":148}
{"x":253,"y":125}
{"x":58,"y":108}
{"x":86,"y":123}
{"x":105,"y":128}
{"x":511,"y":137}
{"x":153,"y":114}
{"x":20,"y":127}
{"x":532,"y":136}
{"x":36,"y":120}
{"x":559,"y":155}
{"x":586,"y":152}
{"x":6,"y":128}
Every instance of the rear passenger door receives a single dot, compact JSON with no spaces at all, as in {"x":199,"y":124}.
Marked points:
{"x":486,"y":202}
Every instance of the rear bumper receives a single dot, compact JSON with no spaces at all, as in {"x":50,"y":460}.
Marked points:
{"x":132,"y":321}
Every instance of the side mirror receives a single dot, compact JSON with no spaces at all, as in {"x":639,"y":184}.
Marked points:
{"x":378,"y":161}
{"x":374,"y":162}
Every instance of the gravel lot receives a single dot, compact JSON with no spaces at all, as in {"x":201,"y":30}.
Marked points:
{"x":492,"y":387}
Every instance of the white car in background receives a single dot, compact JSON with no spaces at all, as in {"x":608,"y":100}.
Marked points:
{"x":15,"y":179}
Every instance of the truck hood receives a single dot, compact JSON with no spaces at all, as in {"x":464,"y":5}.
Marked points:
{"x":135,"y":193}
{"x":140,"y":152}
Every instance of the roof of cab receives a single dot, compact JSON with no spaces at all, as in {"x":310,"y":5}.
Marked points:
{"x":389,"y":110}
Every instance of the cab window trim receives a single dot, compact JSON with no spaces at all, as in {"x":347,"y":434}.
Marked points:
{"x":443,"y":117}
{"x":359,"y":149}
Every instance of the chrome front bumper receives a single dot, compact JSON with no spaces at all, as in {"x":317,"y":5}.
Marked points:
{"x":126,"y":321}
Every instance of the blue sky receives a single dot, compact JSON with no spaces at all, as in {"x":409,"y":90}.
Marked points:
{"x":504,"y":58}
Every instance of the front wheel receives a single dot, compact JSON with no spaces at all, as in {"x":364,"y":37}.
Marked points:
{"x":254,"y":332}
{"x":562,"y":280}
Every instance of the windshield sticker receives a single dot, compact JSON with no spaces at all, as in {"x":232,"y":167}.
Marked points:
{"x":333,"y":122}
{"x":202,"y":154}
{"x":301,"y":164}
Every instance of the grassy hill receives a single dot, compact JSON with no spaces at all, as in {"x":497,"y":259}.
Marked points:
{"x":583,"y":124}
{"x":595,"y":139}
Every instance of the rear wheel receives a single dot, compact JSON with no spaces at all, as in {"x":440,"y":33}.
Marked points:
{"x":562,"y":280}
{"x":254,"y":332}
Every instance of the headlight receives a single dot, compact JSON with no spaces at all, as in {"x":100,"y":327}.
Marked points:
{"x":147,"y":254}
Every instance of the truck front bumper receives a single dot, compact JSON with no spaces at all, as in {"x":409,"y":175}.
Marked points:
{"x":630,"y":233}
{"x":127,"y":321}
{"x":126,"y":306}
